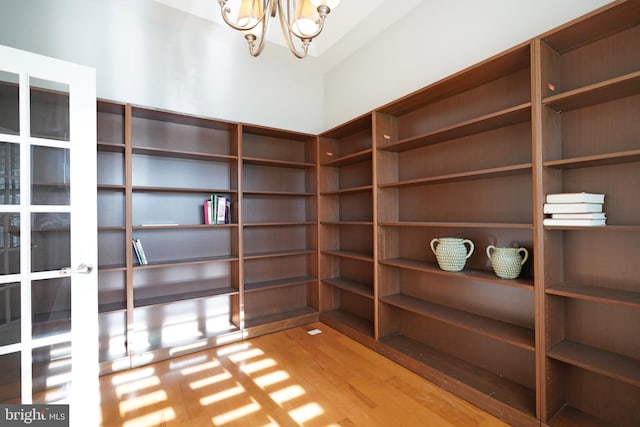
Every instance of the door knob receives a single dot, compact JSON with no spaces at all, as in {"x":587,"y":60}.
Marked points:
{"x":82,"y":269}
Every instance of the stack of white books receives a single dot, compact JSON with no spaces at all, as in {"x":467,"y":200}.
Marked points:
{"x":575,"y":209}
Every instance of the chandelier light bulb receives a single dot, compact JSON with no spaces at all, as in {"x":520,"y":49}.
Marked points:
{"x":307,"y":20}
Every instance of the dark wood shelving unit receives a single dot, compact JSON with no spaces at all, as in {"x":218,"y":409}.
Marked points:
{"x":279,"y":229}
{"x":588,"y":283}
{"x":347,"y":219}
{"x":434,"y":179}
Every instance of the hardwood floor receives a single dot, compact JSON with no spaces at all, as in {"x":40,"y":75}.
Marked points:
{"x":289,"y":378}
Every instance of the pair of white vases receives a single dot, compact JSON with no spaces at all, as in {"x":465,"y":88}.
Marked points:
{"x":452,"y":254}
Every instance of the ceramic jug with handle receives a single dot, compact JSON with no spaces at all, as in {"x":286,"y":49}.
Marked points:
{"x":451,"y":252}
{"x":507,"y":262}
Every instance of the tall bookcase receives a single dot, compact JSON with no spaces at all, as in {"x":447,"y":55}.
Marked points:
{"x":112,"y":236}
{"x":454,"y":160}
{"x":279,"y":229}
{"x":590,"y":289}
{"x":156,"y":169}
{"x":346,"y":228}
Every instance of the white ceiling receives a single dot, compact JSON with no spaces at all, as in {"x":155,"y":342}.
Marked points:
{"x":352,"y":24}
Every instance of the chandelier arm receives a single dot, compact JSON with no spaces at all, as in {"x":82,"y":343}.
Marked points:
{"x":287,"y":33}
{"x":269,"y":10}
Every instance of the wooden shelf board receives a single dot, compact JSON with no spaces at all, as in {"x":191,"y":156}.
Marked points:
{"x":111,"y":187}
{"x":111,"y":267}
{"x":362,"y":189}
{"x":355,"y":125}
{"x":496,"y":329}
{"x":616,"y":17}
{"x":167,"y":299}
{"x":350,"y":320}
{"x":361,"y":156}
{"x":110,"y":107}
{"x":259,"y":130}
{"x":595,"y":160}
{"x":186,"y":261}
{"x":608,"y":90}
{"x":153,"y":189}
{"x":111,"y":307}
{"x":281,"y":316}
{"x":191,"y":155}
{"x":111,"y":228}
{"x":491,"y":385}
{"x":596,"y":294}
{"x":603,"y":228}
{"x":277,"y":163}
{"x":510,"y":116}
{"x":277,"y":193}
{"x":347,"y":223}
{"x":279,"y":224}
{"x":349,"y":254}
{"x":615,"y":366}
{"x":279,"y":283}
{"x":181,"y":226}
{"x":451,"y":224}
{"x":569,"y":416}
{"x":463,"y":176}
{"x":363,"y":289}
{"x":467,"y":274}
{"x":274,"y":254}
{"x":112,"y":147}
{"x":180,"y":118}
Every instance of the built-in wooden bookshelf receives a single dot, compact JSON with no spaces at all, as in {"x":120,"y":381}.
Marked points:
{"x":435,"y":179}
{"x":347,"y":228}
{"x":589,"y":290}
{"x":279,"y":229}
{"x":337,"y":227}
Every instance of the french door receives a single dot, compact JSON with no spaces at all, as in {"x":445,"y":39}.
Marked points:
{"x":48,"y":242}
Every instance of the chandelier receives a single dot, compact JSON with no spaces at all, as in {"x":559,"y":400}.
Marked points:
{"x":299,"y":19}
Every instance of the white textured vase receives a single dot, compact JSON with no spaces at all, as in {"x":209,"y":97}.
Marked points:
{"x":451,"y":252}
{"x":507,"y":262}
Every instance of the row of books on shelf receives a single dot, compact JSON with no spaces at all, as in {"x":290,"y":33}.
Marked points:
{"x":217,"y":209}
{"x":575,"y":209}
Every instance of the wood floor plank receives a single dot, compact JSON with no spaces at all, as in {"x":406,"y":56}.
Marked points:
{"x":288,"y":378}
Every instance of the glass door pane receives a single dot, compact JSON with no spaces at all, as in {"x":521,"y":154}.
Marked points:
{"x":9,"y":103}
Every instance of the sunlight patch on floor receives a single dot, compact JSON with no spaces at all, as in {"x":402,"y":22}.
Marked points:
{"x":210,"y":380}
{"x":221,"y":395}
{"x":286,"y":394}
{"x":236,"y":414}
{"x":135,"y":403}
{"x":306,"y":412}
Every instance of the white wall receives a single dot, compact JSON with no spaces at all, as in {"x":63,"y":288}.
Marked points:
{"x":149,"y":54}
{"x":433,"y":41}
